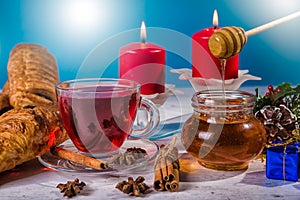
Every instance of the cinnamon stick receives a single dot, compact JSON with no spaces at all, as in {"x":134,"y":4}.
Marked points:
{"x":163,"y":168}
{"x":80,"y":159}
{"x":166,"y":177}
{"x":173,"y":184}
{"x":158,"y":180}
{"x":170,"y":175}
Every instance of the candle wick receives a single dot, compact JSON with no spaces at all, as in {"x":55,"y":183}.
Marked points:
{"x":215,"y":27}
{"x":143,"y":40}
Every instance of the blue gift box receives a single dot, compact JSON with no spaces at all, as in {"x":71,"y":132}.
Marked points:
{"x":282,"y":162}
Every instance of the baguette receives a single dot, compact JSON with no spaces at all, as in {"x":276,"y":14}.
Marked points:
{"x":4,"y":99}
{"x":32,"y":75}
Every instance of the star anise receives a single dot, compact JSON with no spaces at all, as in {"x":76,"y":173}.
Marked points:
{"x":71,"y":188}
{"x":130,"y":156}
{"x":135,"y":187}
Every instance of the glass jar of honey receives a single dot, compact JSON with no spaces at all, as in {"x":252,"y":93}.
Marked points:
{"x":223,"y":133}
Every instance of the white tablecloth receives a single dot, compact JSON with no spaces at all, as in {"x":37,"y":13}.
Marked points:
{"x":33,"y":181}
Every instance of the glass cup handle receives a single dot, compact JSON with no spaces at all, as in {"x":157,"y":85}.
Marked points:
{"x":146,"y":121}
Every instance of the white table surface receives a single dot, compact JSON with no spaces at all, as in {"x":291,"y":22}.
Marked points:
{"x":33,"y":181}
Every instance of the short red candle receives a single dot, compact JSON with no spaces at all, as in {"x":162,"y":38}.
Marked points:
{"x":144,"y":62}
{"x":206,"y":65}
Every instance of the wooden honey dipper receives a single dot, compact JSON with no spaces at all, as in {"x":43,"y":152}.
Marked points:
{"x":230,"y":40}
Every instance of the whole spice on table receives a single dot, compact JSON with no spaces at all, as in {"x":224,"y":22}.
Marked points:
{"x":131,"y":186}
{"x":166,"y":177}
{"x":71,"y":188}
{"x":129,"y":157}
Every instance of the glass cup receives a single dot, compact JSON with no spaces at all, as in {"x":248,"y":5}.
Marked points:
{"x":99,"y":113}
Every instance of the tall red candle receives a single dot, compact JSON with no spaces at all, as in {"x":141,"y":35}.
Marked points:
{"x":204,"y":64}
{"x":144,"y":62}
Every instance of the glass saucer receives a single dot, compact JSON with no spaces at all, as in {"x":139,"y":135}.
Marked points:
{"x":54,"y":162}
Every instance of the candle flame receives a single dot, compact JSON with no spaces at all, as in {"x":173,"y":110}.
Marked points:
{"x":215,"y":18}
{"x":143,"y":32}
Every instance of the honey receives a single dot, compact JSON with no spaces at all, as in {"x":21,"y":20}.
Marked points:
{"x":222,"y":133}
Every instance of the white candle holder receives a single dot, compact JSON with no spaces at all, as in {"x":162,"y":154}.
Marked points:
{"x":159,"y":98}
{"x":212,"y":84}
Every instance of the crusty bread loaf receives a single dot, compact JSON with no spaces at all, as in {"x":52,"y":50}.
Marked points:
{"x":4,"y":99}
{"x":32,"y":124}
{"x":32,"y":75}
{"x":26,"y":133}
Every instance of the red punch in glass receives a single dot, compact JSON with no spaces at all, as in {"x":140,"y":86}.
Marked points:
{"x":99,"y":114}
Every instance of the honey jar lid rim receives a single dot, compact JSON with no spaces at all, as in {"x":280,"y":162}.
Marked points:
{"x":223,"y":98}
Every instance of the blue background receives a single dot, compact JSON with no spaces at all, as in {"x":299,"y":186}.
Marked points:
{"x":74,"y":30}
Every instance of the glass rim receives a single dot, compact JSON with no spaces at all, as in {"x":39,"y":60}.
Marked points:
{"x":116,"y":82}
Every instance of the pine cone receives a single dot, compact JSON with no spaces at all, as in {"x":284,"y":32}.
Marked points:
{"x":279,"y":122}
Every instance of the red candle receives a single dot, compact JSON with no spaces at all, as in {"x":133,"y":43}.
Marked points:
{"x":204,"y":64}
{"x":144,"y":62}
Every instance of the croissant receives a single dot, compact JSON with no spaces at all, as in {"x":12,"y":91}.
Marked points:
{"x":26,"y":133}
